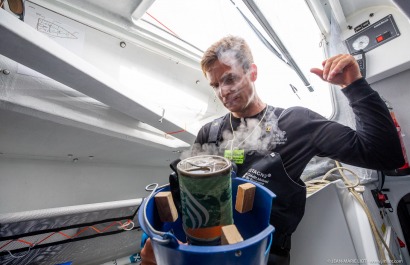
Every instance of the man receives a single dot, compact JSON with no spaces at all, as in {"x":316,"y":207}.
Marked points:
{"x":272,"y":146}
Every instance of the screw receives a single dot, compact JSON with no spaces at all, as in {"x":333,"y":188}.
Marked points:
{"x":371,"y":15}
{"x":349,"y":27}
{"x":238,"y":253}
{"x":123,"y":44}
{"x":6,"y":72}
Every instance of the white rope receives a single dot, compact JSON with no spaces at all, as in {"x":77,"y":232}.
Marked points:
{"x":126,"y":226}
{"x":315,"y":185}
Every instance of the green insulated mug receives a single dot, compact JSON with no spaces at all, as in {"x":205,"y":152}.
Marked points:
{"x":206,"y":197}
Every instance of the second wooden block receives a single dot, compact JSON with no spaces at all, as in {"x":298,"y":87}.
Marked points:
{"x":166,"y":207}
{"x":245,"y":197}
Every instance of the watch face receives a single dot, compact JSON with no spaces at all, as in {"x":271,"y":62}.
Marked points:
{"x":361,"y":42}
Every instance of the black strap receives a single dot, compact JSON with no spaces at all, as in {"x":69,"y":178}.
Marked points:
{"x":281,"y":242}
{"x":278,"y":111}
{"x":215,"y":130}
{"x":381,"y":176}
{"x":174,"y":164}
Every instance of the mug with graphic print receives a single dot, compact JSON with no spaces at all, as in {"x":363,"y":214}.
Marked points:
{"x":206,"y":198}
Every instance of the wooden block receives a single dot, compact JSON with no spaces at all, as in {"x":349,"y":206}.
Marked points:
{"x":230,"y":235}
{"x":244,"y":197}
{"x":166,"y":207}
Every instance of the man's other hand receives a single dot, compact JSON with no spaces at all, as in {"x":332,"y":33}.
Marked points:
{"x":147,"y":254}
{"x":339,"y":70}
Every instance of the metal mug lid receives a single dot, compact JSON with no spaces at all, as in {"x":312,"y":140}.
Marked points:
{"x":204,"y":165}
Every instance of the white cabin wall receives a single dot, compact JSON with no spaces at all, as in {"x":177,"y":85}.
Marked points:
{"x":396,"y":90}
{"x":387,"y":65}
{"x":398,"y":188}
{"x":70,"y":123}
{"x":131,"y":60}
{"x":30,"y":184}
{"x":388,"y":72}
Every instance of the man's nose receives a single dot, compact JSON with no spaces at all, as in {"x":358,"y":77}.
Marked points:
{"x":225,"y":90}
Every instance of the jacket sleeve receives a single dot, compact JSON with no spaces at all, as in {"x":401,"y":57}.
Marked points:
{"x":373,"y":144}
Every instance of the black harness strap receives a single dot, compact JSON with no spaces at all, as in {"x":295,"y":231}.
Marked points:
{"x":215,"y":130}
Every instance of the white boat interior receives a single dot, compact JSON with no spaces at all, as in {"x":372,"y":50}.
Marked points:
{"x":98,"y":97}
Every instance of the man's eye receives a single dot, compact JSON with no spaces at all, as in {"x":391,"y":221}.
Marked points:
{"x":229,"y":80}
{"x":215,"y":86}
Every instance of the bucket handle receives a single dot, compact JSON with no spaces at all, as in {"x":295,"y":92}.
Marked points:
{"x":167,"y":238}
{"x":269,"y":245}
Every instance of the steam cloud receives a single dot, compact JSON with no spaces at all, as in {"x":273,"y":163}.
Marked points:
{"x":248,"y":136}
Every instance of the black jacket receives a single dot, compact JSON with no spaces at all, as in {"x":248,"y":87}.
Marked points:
{"x":298,"y":134}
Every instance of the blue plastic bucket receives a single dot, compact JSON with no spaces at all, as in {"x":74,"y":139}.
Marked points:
{"x":253,"y":226}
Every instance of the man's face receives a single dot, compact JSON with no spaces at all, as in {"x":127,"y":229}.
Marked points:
{"x":232,"y":85}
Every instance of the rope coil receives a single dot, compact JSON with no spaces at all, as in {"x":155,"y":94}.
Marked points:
{"x":315,"y":185}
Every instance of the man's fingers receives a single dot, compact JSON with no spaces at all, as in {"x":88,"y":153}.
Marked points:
{"x":340,"y":63}
{"x":335,"y":65}
{"x":340,"y":70}
{"x":329,"y":66}
{"x":318,"y":72}
{"x":147,"y":254}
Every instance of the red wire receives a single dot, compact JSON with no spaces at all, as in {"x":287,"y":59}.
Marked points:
{"x":6,"y":244}
{"x":25,"y":242}
{"x":44,"y":239}
{"x":180,"y":131}
{"x":67,"y":236}
{"x":162,"y":24}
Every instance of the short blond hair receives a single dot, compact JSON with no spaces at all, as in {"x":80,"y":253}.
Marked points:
{"x":235,"y":47}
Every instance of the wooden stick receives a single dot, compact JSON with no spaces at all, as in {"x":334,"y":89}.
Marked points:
{"x":245,"y":197}
{"x":166,"y":207}
{"x":230,"y":235}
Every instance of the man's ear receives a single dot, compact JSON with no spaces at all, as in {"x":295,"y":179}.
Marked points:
{"x":253,"y":72}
